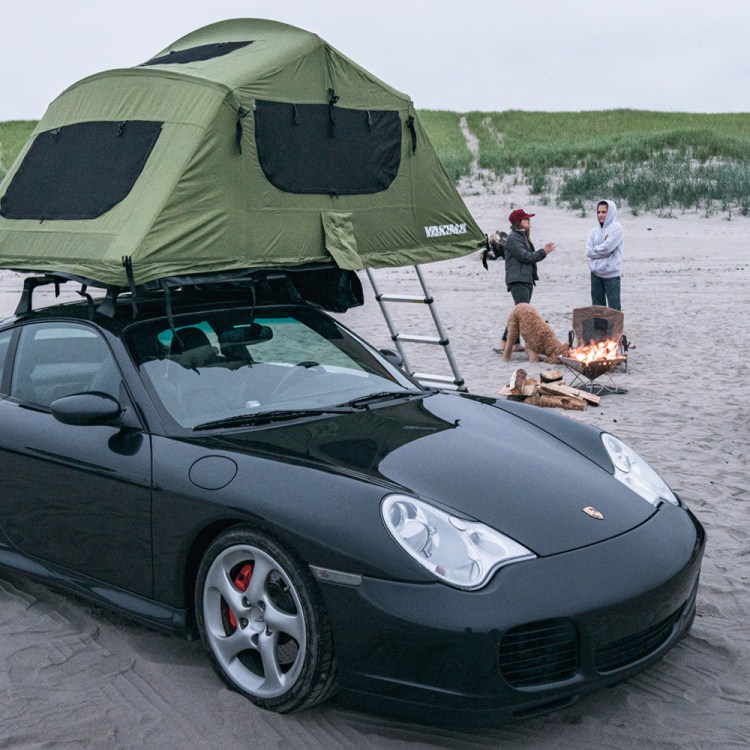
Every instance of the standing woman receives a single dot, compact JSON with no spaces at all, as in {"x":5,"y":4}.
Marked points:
{"x":520,"y":263}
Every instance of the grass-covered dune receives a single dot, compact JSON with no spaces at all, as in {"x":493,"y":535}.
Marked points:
{"x":656,"y":160}
{"x":13,"y":135}
{"x":649,"y":160}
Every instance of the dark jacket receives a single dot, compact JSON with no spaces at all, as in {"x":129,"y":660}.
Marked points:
{"x":521,"y":259}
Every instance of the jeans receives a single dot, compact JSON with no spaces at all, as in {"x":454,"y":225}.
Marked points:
{"x":520,"y":293}
{"x":605,"y":292}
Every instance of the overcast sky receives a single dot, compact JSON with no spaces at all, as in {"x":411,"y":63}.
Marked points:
{"x":462,"y":55}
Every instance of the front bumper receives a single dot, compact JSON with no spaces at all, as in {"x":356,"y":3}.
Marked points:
{"x":543,"y":633}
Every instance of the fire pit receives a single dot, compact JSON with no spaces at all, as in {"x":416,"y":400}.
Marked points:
{"x":591,"y":362}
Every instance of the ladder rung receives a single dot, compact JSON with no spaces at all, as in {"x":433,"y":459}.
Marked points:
{"x":405,"y":298}
{"x":433,"y":378}
{"x":442,"y":385}
{"x":419,"y":339}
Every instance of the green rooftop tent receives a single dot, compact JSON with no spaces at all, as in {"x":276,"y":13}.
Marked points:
{"x":246,"y":144}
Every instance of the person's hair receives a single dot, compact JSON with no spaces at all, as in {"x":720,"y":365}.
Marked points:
{"x":526,"y":231}
{"x":602,"y":203}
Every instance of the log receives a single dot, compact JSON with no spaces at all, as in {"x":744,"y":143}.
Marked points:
{"x":559,"y":389}
{"x":562,"y":402}
{"x":550,"y":376}
{"x":529,"y":389}
{"x":517,"y":380}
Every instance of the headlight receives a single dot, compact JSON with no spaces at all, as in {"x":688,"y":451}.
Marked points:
{"x":636,"y":474}
{"x":461,"y":553}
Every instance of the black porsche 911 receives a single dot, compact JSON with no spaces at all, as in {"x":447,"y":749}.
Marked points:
{"x":248,"y":469}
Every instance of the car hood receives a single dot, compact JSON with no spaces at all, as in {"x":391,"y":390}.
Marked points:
{"x":530,"y":481}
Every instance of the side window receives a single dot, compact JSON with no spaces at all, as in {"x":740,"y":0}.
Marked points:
{"x":4,"y":343}
{"x":58,"y":359}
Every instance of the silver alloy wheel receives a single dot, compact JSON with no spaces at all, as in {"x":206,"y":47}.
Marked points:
{"x":256,"y":627}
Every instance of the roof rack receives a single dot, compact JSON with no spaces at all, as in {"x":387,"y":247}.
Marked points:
{"x":326,"y":286}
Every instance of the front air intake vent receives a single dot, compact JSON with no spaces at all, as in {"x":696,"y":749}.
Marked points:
{"x":539,"y":653}
{"x":628,"y":650}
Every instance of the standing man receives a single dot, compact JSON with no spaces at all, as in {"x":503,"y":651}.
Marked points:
{"x":604,"y":252}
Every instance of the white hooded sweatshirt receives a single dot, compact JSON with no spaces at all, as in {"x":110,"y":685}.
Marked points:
{"x":604,"y":245}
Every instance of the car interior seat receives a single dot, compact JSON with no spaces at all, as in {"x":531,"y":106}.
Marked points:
{"x":191,"y":348}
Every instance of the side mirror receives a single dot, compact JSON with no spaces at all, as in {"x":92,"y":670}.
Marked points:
{"x":86,"y":409}
{"x":393,"y":357}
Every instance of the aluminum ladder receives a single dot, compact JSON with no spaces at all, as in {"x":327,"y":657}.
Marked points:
{"x":456,"y":382}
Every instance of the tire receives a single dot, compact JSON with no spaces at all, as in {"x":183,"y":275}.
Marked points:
{"x":262,"y":622}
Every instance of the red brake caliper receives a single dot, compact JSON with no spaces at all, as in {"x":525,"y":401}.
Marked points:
{"x":241,"y":582}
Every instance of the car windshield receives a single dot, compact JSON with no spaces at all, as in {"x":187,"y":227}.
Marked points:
{"x":211,"y":369}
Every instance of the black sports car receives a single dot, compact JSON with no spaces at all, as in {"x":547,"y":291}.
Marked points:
{"x":247,"y":468}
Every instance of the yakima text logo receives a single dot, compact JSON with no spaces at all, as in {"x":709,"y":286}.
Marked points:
{"x":442,"y":230}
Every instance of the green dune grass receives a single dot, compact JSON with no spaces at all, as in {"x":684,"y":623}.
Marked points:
{"x":13,"y":135}
{"x":648,"y":160}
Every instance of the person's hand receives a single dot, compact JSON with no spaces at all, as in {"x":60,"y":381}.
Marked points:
{"x":549,"y":248}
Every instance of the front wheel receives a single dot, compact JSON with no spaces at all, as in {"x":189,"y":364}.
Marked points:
{"x":262,"y":622}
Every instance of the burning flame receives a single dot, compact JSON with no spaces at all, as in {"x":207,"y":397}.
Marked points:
{"x":595,"y":352}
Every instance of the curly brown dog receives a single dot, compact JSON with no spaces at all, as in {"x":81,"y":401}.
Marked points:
{"x":538,"y":337}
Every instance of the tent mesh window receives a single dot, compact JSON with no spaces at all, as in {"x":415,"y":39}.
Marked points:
{"x":326,"y":150}
{"x":79,"y":171}
{"x":196,"y":54}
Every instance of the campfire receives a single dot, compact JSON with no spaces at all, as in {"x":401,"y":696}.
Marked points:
{"x":595,"y":359}
{"x":596,"y":351}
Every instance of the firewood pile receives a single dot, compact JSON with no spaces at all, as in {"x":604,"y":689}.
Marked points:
{"x":549,"y":391}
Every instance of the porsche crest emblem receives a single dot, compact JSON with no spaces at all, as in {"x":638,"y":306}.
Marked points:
{"x":593,"y":512}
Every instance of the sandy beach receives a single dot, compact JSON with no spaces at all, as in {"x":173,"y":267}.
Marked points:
{"x":75,"y":676}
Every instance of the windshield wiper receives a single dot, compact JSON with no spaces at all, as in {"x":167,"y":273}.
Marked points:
{"x":373,"y":398}
{"x":271,"y":416}
{"x":280,"y":415}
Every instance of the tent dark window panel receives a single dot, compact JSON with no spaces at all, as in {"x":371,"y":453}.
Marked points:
{"x":79,"y":171}
{"x":196,"y":54}
{"x":320,"y":149}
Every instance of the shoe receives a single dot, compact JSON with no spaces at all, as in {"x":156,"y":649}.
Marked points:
{"x":497,"y":350}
